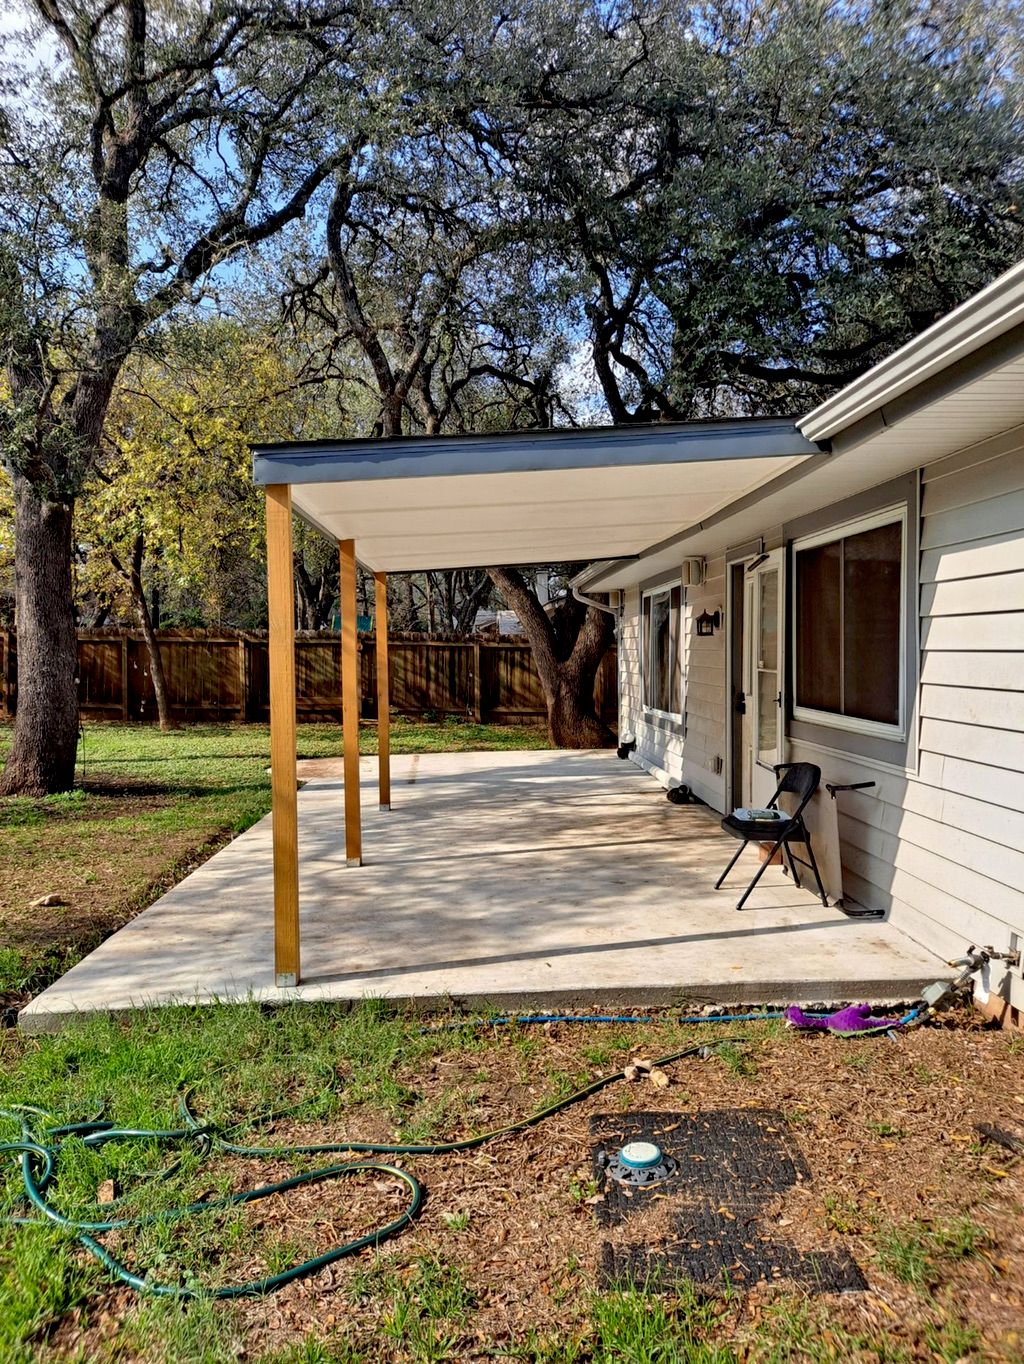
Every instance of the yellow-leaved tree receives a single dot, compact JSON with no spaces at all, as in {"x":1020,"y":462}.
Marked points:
{"x":171,"y":524}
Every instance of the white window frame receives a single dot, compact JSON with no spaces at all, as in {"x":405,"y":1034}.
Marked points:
{"x":665,"y":588}
{"x":890,"y":516}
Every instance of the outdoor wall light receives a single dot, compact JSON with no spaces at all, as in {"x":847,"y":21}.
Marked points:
{"x":708,"y":623}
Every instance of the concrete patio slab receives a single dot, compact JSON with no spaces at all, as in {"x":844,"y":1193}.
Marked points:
{"x":517,"y":878}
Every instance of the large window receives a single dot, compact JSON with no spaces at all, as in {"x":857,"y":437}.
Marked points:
{"x":848,"y":625}
{"x":662,"y":675}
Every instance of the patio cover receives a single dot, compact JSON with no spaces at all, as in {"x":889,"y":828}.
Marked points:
{"x":532,"y":497}
{"x":431,"y":502}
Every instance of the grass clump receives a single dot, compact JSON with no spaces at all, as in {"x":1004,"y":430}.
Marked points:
{"x":637,"y":1327}
{"x":916,"y":1252}
{"x":425,"y":1309}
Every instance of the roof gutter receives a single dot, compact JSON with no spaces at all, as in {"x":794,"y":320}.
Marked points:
{"x":982,"y":318}
{"x":597,"y":605}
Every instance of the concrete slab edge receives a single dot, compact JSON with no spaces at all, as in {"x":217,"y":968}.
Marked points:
{"x":767,"y":995}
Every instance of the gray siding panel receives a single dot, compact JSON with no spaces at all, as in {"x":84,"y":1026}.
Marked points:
{"x":960,"y":525}
{"x":941,"y":848}
{"x":693,"y":753}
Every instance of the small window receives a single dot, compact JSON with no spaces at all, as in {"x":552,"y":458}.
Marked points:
{"x":662,"y":673}
{"x":848,"y":625}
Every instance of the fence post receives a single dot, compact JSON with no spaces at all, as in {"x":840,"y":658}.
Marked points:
{"x":478,"y":682}
{"x":243,"y":677}
{"x":124,"y":676}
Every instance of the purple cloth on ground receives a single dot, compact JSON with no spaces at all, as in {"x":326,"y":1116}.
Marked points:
{"x":856,"y":1018}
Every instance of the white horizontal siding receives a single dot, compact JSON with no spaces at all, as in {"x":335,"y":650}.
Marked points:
{"x":994,"y":516}
{"x":974,"y":596}
{"x":941,"y":849}
{"x":974,"y":706}
{"x":950,"y":668}
{"x":975,"y":779}
{"x":995,"y":748}
{"x":698,"y":758}
{"x":996,"y":631}
{"x":976,"y":482}
{"x":975,"y":559}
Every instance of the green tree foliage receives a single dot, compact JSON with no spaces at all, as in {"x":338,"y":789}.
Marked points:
{"x":551,"y":210}
{"x":144,"y":147}
{"x":787,"y":191}
{"x":177,"y":472}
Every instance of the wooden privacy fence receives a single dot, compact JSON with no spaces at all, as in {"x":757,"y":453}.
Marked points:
{"x":227,"y":678}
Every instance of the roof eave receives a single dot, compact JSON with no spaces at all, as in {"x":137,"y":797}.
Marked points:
{"x":981,"y":319}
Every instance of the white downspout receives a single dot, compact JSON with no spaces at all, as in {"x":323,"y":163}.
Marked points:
{"x":615,"y":611}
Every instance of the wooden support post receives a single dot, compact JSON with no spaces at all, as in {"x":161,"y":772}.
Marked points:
{"x":350,"y":702}
{"x":380,"y":581}
{"x":284,"y":804}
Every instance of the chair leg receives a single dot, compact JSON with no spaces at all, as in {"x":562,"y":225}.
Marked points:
{"x":817,"y":874}
{"x":736,"y":858}
{"x":792,"y":864}
{"x":760,"y":872}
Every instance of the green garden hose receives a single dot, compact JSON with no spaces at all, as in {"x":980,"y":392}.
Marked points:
{"x":39,"y":1157}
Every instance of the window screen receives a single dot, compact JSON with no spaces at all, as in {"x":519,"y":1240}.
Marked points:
{"x":848,"y":601}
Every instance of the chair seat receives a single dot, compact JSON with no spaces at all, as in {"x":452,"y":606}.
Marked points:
{"x":756,"y":828}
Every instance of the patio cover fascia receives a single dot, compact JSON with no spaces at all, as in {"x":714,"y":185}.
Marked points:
{"x":430,"y":502}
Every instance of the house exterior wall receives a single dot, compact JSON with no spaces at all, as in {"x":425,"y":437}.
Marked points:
{"x":939,"y":844}
{"x":692,"y":751}
{"x":941,"y":847}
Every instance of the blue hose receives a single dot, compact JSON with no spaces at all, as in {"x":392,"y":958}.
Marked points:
{"x":527,"y":1020}
{"x":511,"y":1020}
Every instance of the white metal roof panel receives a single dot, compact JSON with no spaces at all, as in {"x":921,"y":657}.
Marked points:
{"x":528,"y":497}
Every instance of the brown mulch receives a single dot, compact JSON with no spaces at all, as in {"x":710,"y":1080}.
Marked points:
{"x":887,"y":1129}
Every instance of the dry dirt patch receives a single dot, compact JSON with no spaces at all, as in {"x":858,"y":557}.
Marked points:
{"x":899,"y":1179}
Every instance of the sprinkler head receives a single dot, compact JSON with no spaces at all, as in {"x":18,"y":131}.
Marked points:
{"x":640,"y":1163}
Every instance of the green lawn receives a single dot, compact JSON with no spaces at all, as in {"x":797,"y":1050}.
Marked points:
{"x":147,"y":807}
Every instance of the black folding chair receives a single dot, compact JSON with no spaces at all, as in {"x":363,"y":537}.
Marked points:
{"x":801,"y":779}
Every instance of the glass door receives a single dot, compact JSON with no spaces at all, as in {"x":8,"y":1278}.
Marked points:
{"x":767,"y":679}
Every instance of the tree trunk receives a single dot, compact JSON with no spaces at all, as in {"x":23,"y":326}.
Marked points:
{"x":568,"y":671}
{"x":573,"y":721}
{"x":156,"y":662}
{"x":42,"y":758}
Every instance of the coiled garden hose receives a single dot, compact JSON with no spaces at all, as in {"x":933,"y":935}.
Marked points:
{"x":39,"y":1155}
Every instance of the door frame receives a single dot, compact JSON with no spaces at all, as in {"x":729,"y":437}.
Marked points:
{"x":737,"y":567}
{"x":776,"y":563}
{"x":734,"y":614}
